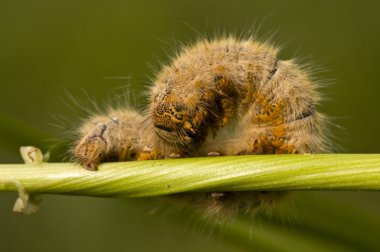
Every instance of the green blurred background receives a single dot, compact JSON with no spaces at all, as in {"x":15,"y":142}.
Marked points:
{"x":51,"y":48}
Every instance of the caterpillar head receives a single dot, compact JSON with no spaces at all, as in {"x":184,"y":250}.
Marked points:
{"x":179,"y":119}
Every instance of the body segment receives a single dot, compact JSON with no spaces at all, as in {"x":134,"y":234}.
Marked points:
{"x":235,"y":97}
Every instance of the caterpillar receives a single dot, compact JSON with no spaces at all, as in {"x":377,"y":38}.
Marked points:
{"x":222,"y":96}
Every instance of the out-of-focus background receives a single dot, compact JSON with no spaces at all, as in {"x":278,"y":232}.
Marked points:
{"x":51,"y":51}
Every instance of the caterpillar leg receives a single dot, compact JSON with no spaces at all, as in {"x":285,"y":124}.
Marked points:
{"x":115,"y":136}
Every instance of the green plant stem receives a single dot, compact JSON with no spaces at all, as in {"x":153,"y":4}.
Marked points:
{"x":159,"y":177}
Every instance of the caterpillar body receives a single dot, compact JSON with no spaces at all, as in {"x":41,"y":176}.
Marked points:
{"x":223,"y":96}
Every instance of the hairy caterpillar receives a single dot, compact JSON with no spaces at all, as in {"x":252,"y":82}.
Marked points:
{"x":218,"y":97}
